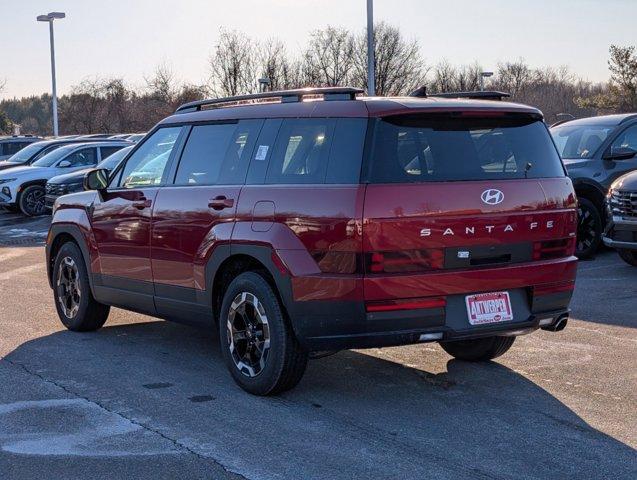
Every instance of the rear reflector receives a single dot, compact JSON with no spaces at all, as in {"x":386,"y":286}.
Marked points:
{"x":411,"y":304}
{"x":404,"y":261}
{"x":553,"y":288}
{"x":548,"y":249}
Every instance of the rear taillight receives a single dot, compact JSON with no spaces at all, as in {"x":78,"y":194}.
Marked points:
{"x":404,"y":261}
{"x":408,"y":304}
{"x":548,"y":249}
{"x":552,"y":288}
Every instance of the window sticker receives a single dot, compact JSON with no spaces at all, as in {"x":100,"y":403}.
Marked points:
{"x":262,"y":152}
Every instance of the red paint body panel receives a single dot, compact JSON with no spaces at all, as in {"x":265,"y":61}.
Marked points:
{"x":122,"y":233}
{"x":73,"y":212}
{"x":308,"y":219}
{"x":452,"y":214}
{"x":186,"y":231}
{"x":469,"y":281}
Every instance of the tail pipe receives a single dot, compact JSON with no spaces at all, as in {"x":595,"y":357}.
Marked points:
{"x":558,"y":325}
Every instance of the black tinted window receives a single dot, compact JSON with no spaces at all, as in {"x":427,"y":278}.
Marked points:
{"x":10,"y":148}
{"x":301,"y":151}
{"x":217,"y":154}
{"x":445,"y":148}
{"x":346,"y":153}
{"x":108,"y":151}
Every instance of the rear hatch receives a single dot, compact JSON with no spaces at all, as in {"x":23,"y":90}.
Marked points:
{"x":452,"y":198}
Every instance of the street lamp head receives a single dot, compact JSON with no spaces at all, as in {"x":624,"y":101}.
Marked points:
{"x":49,"y":17}
{"x":486,"y":74}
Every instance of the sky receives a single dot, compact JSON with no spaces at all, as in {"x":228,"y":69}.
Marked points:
{"x":129,"y":38}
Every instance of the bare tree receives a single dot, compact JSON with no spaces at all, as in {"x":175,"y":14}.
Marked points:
{"x":274,"y":64}
{"x":162,"y":84}
{"x":444,"y":77}
{"x":514,"y":77}
{"x":328,"y":59}
{"x":233,"y":65}
{"x":80,"y":112}
{"x":398,"y":67}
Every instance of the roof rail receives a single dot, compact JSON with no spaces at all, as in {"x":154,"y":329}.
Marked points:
{"x":628,"y":118}
{"x":286,"y":96}
{"x":479,"y":95}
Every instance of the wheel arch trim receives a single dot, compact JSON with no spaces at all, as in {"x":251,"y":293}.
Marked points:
{"x":76,"y":234}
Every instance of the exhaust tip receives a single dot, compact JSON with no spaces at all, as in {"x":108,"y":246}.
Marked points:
{"x":559,"y":325}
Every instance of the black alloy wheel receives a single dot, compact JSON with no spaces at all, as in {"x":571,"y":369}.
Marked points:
{"x":589,"y":228}
{"x":32,"y":201}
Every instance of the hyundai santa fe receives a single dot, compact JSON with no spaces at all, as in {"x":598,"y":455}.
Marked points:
{"x":304,"y":222}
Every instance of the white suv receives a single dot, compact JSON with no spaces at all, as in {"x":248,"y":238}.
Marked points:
{"x":23,"y":187}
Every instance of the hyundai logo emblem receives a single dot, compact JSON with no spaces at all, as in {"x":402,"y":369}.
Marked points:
{"x":492,"y":196}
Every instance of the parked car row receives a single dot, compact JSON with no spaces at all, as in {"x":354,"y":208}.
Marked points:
{"x":9,"y":146}
{"x":24,"y":175}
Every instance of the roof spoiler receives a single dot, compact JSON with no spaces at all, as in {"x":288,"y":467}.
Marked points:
{"x":285,"y":96}
{"x":478,"y":95}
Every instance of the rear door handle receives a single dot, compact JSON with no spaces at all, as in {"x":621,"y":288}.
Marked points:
{"x":221,"y":202}
{"x":142,"y":203}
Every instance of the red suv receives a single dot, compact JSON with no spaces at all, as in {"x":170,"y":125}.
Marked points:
{"x":314,"y":220}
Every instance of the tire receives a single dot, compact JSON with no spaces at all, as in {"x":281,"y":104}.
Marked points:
{"x":589,"y":228}
{"x":31,"y":201}
{"x":74,"y":301}
{"x":248,"y":302}
{"x":628,"y":256}
{"x":479,"y":349}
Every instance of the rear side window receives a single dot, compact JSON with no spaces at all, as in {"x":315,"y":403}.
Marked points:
{"x":318,"y":150}
{"x":301,"y":151}
{"x":217,"y":154}
{"x":11,"y":148}
{"x":439,"y":148}
{"x":108,"y":151}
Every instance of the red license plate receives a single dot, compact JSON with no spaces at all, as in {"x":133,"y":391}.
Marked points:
{"x":491,"y":307}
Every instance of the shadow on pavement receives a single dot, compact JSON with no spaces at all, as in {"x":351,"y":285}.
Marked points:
{"x":353,"y":414}
{"x":605,"y":291}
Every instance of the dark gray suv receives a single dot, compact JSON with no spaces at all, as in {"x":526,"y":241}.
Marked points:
{"x":621,"y":230}
{"x":596,"y":151}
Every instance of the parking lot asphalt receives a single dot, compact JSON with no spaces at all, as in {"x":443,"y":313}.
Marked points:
{"x":143,"y":398}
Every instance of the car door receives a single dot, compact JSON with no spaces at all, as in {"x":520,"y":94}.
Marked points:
{"x":195,"y":213}
{"x":627,"y":138}
{"x":121,"y":223}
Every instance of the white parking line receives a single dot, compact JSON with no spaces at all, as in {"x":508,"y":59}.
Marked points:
{"x":17,"y":271}
{"x":14,"y":253}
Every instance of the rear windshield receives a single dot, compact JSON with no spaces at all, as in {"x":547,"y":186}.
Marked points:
{"x":440,"y":148}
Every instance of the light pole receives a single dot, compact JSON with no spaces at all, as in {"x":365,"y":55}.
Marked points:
{"x":371,"y":82}
{"x":484,"y":75}
{"x":49,"y":17}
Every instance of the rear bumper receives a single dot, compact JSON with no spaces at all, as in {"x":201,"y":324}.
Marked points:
{"x":342,"y":323}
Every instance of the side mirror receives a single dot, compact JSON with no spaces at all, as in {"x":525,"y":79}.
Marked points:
{"x":620,"y":153}
{"x":64,"y":164}
{"x":96,"y":179}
